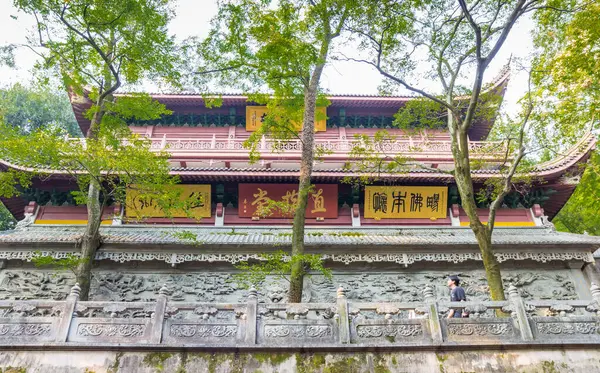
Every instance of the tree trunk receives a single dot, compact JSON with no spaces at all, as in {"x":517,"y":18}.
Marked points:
{"x":483,"y":234}
{"x":90,"y":242}
{"x":304,"y":186}
{"x":490,"y":263}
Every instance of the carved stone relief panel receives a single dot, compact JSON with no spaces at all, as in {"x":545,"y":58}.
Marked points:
{"x":408,"y":286}
{"x":35,"y":284}
{"x":405,"y":286}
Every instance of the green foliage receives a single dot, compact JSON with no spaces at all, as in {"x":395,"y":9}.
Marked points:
{"x":278,"y":264}
{"x":98,"y":43}
{"x":580,"y":214}
{"x":277,"y":53}
{"x":185,"y":236}
{"x":96,"y":47}
{"x":270,"y":55}
{"x":7,"y":56}
{"x":369,"y":160}
{"x":31,"y":109}
{"x":421,"y":113}
{"x":69,"y":262}
{"x":11,"y":181}
{"x":6,"y":219}
{"x":566,"y":74}
{"x":567,"y":82}
{"x":115,"y":166}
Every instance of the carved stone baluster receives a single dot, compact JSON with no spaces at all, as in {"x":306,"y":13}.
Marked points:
{"x":561,"y":309}
{"x":68,"y":312}
{"x":343,"y":321}
{"x":157,"y":319}
{"x":251,"y":316}
{"x":594,"y":306}
{"x":518,"y":307}
{"x":476,"y":310}
{"x":433,"y":315}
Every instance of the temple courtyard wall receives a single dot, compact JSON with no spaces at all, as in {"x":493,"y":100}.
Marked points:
{"x":534,"y":360}
{"x":369,"y":282}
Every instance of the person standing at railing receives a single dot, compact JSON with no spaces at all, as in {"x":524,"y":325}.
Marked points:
{"x":457,"y":294}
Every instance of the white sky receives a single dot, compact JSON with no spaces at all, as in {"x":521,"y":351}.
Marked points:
{"x":193,"y":18}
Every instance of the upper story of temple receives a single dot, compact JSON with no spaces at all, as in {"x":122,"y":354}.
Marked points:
{"x":207,"y":152}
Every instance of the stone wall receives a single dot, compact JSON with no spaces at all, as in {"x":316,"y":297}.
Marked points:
{"x":526,"y":361}
{"x":217,"y":283}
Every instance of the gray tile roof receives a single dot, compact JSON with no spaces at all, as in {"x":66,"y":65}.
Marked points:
{"x":318,"y":236}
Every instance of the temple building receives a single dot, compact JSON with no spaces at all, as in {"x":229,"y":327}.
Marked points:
{"x":384,"y":241}
{"x":391,"y":246}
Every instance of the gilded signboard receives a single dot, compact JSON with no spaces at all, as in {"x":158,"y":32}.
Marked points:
{"x":197,"y":198}
{"x":255,"y":116}
{"x":278,"y":201}
{"x":395,"y":202}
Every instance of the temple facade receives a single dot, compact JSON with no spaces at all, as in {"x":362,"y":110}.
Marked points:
{"x":384,"y":240}
{"x":393,"y":241}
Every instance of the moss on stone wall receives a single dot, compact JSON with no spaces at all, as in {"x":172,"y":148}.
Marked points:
{"x":271,"y":358}
{"x":157,"y":360}
{"x":114,"y":367}
{"x":309,"y":363}
{"x":13,"y":370}
{"x":579,"y":361}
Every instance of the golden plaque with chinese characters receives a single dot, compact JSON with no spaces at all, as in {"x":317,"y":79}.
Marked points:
{"x":406,"y":202}
{"x":278,"y":201}
{"x":255,"y":116}
{"x":197,"y":197}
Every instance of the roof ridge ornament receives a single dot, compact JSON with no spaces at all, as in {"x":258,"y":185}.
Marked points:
{"x":31,"y":211}
{"x":546,"y":223}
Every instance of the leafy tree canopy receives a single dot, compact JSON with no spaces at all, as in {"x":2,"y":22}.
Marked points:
{"x":580,"y":214}
{"x":566,"y":74}
{"x":567,"y":82}
{"x":30,"y":109}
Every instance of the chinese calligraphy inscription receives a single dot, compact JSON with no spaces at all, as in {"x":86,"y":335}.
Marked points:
{"x":397,"y":202}
{"x":195,"y":200}
{"x":278,"y":201}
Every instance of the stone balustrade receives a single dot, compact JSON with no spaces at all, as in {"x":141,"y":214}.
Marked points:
{"x":491,"y":150}
{"x":163,"y":324}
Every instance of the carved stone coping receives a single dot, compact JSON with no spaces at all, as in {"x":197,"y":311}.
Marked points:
{"x":123,"y":310}
{"x":102,"y":304}
{"x":28,"y":329}
{"x":398,"y":258}
{"x":194,"y":305}
{"x":285,"y":306}
{"x":206,"y":311}
{"x":363,"y":306}
{"x":490,"y":304}
{"x":193,"y":331}
{"x":33,"y":302}
{"x":585,"y":329}
{"x":298,"y":332}
{"x":390,"y":332}
{"x":549,"y":303}
{"x":481,"y":329}
{"x":110,"y":330}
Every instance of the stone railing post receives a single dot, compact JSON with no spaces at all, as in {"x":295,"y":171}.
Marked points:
{"x":433,"y":315}
{"x":67,"y":317}
{"x":595,"y":290}
{"x":251,"y":316}
{"x":158,"y":318}
{"x":343,"y":314}
{"x":594,"y":306}
{"x":518,"y":309}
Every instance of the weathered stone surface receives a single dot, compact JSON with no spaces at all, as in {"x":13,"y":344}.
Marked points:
{"x":391,"y":286}
{"x":530,"y":361}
